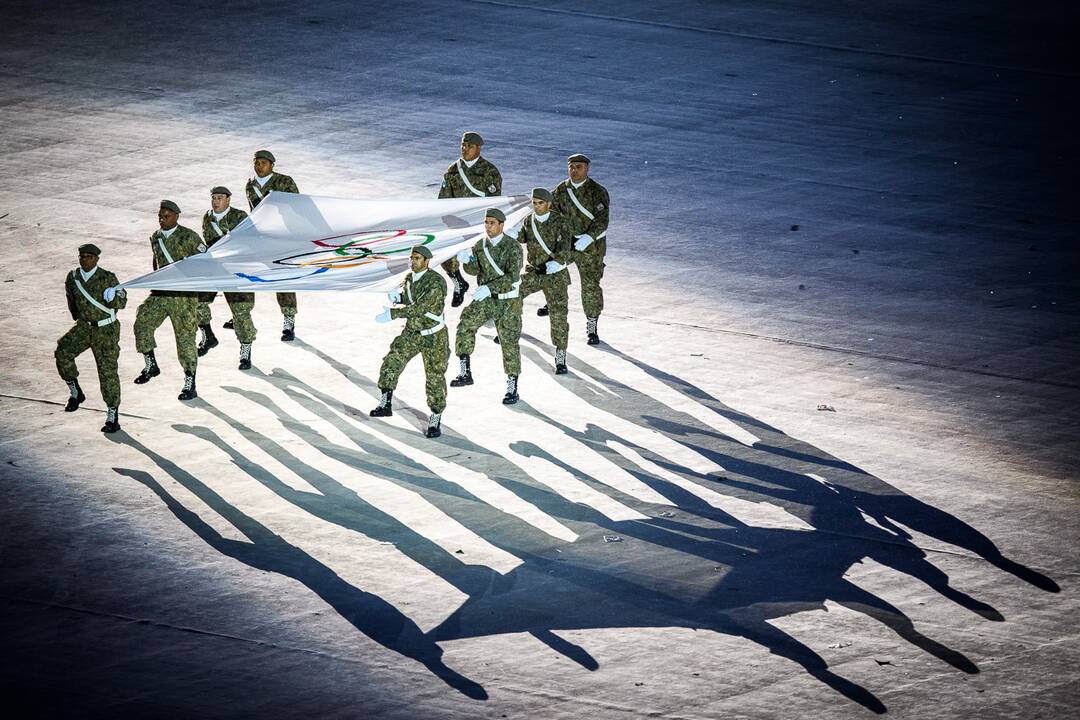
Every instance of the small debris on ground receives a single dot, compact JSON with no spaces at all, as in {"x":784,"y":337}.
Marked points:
{"x":841,"y":644}
{"x":459,"y":552}
{"x":883,"y":662}
{"x":826,"y":408}
{"x":666,"y":513}
{"x":696,"y":354}
{"x":612,"y":538}
{"x":801,"y":286}
{"x":794,"y":228}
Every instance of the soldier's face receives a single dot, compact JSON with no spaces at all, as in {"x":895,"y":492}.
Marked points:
{"x":540,"y":206}
{"x":469,"y":151}
{"x":263,"y":167}
{"x":88,"y":261}
{"x":493,"y":226}
{"x":419,"y":262}
{"x":167,"y":219}
{"x":220,"y":202}
{"x":577,"y":171}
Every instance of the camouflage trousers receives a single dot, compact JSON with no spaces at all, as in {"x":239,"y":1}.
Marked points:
{"x":435,"y":351}
{"x":104,"y":342}
{"x":590,"y":265}
{"x":507,"y":317}
{"x":181,"y":311}
{"x":287,"y":303}
{"x":241,"y":305}
{"x":555,"y":289}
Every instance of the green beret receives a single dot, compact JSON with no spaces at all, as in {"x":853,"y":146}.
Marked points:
{"x":265,"y":155}
{"x":543,"y":194}
{"x":578,"y":157}
{"x":472,"y":138}
{"x":422,"y":250}
{"x":495,"y":213}
{"x":220,"y":190}
{"x":89,"y":248}
{"x":170,"y":205}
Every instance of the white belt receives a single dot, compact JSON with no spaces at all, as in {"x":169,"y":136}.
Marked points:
{"x":107,"y":310}
{"x":536,"y":232}
{"x":601,"y":236}
{"x":217,"y":229}
{"x":168,"y":257}
{"x":255,"y":188}
{"x":573,"y":197}
{"x":512,"y":294}
{"x":491,"y":260}
{"x":473,"y":190}
{"x":437,"y":328}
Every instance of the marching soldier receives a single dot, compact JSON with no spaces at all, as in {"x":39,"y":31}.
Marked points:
{"x":257,"y":188}
{"x":584,"y":202}
{"x":93,"y":299}
{"x":422,"y":297}
{"x":496,"y":262}
{"x":547,"y":239}
{"x":171,"y":243}
{"x":469,"y":176}
{"x":218,"y":222}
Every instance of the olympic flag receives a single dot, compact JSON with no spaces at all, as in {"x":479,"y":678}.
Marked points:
{"x":306,"y":242}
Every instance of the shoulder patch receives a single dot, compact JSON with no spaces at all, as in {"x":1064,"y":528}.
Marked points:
{"x":600,"y":206}
{"x":491,"y":188}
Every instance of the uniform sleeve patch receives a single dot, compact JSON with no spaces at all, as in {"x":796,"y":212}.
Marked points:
{"x":600,"y":206}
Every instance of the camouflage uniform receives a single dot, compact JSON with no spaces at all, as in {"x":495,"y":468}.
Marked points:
{"x":500,"y":274}
{"x":89,"y":332}
{"x":255,"y":193}
{"x":180,"y":307}
{"x":240,"y":304}
{"x":590,"y":219}
{"x":485,"y":180}
{"x":422,"y":299}
{"x":546,"y":240}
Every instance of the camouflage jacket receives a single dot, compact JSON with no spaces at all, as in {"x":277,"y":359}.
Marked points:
{"x":232,"y":218}
{"x":483,"y":176}
{"x":589,"y":219}
{"x":497,"y":266}
{"x":554,"y":234}
{"x":277,"y":182}
{"x":83,"y":309}
{"x":421,"y":298}
{"x":167,"y":250}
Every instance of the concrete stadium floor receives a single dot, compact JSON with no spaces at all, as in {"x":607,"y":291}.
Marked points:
{"x":857,"y":205}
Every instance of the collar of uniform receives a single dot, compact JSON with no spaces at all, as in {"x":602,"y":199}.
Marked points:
{"x":169,"y":232}
{"x":263,"y":180}
{"x":577,"y":185}
{"x":496,"y":240}
{"x":470,"y":163}
{"x":87,"y":275}
{"x":417,"y":275}
{"x":542,"y":218}
{"x":219,"y":215}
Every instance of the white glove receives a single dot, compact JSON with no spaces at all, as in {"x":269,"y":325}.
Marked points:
{"x":110,"y":293}
{"x":553,"y":267}
{"x":481,"y":293}
{"x":464,"y":256}
{"x":384,"y":316}
{"x":582,"y":242}
{"x":394,"y":296}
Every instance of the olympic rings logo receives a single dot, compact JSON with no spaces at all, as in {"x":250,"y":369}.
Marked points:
{"x":360,"y":249}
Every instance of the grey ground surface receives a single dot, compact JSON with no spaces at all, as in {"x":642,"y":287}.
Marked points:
{"x":270,"y":551}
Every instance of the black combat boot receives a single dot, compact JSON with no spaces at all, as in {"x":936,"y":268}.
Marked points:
{"x":511,"y":396}
{"x":464,"y":375}
{"x":150,"y":369}
{"x":112,"y":421}
{"x":228,"y":325}
{"x":434,"y":420}
{"x":245,"y":356}
{"x":384,"y":408}
{"x":208,"y":340}
{"x":189,"y":392}
{"x":590,"y":328}
{"x":542,"y":311}
{"x":560,"y":362}
{"x":461,"y":286}
{"x":77,"y":398}
{"x":288,"y":328}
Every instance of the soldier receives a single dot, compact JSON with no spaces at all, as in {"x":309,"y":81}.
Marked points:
{"x":257,"y":188}
{"x":218,"y":222}
{"x":547,"y":239}
{"x":423,"y":297}
{"x":584,"y":202}
{"x":171,"y":243}
{"x":469,"y":176}
{"x":93,"y":299}
{"x":496,"y":262}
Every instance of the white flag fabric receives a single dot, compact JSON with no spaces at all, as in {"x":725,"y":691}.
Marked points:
{"x":296,"y":242}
